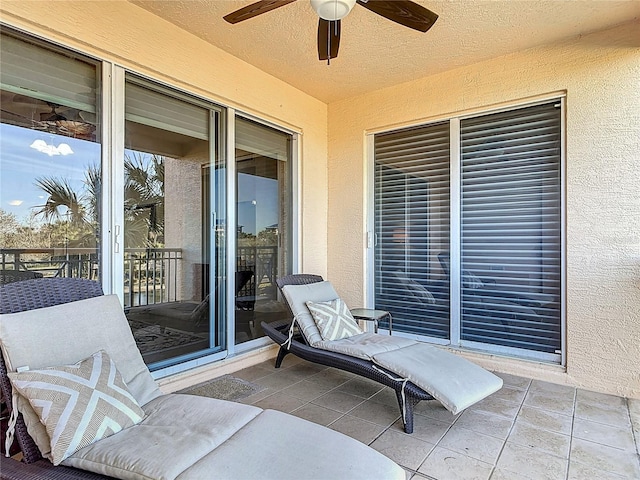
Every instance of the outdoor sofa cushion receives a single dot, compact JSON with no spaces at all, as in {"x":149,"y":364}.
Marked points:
{"x":187,"y":437}
{"x":65,"y":334}
{"x":182,"y":436}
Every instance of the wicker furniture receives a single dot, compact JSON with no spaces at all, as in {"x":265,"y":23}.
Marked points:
{"x":278,"y":332}
{"x":28,"y":295}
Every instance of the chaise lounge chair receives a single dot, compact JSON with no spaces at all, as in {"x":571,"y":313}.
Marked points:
{"x":178,"y":436}
{"x":416,"y":371}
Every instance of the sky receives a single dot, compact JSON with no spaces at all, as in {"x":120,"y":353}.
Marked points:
{"x":21,"y":165}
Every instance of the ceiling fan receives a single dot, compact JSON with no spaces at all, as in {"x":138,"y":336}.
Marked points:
{"x":404,"y":12}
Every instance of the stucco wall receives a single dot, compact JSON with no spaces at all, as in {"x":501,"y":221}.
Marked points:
{"x":128,"y":35}
{"x":601,"y":75}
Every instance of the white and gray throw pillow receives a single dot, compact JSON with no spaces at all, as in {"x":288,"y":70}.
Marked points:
{"x":79,"y":404}
{"x":334,"y":320}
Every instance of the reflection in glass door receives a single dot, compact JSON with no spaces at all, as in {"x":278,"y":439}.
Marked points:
{"x":263,"y":212}
{"x":173,"y":291}
{"x":50,"y":163}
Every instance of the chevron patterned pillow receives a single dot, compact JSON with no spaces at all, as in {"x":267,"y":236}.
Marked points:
{"x":334,"y":320}
{"x":79,"y":404}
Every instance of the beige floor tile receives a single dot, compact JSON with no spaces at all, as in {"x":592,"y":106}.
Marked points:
{"x":602,"y":457}
{"x":306,"y":369}
{"x":552,"y":388}
{"x":418,"y":476}
{"x":550,"y":401}
{"x":280,"y":401}
{"x":386,"y":396}
{"x":531,"y":463}
{"x":276,"y":381}
{"x":545,"y":440}
{"x":579,"y":471}
{"x":603,"y":414}
{"x":329,"y":378}
{"x":497,"y":406}
{"x":472,"y":444}
{"x":377,"y":413}
{"x":361,"y":430}
{"x":317,"y":414}
{"x":487,"y":423}
{"x":443,"y":464}
{"x":289,"y":360}
{"x":611,"y":436}
{"x":514,"y":381}
{"x":435,"y":410}
{"x":405,"y":450}
{"x":306,"y":390}
{"x":545,"y":419}
{"x":510,"y":394}
{"x":338,"y":401}
{"x":360,"y":387}
{"x":252,"y":373}
{"x":600,"y":399}
{"x":425,"y":428}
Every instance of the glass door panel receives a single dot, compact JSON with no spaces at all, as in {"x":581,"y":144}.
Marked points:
{"x":50,"y":164}
{"x":263,"y":206}
{"x":173,"y":294}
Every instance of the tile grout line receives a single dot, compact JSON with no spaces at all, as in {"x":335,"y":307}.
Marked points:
{"x":573,"y":422}
{"x":513,"y":424}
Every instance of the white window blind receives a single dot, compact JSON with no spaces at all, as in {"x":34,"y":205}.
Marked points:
{"x":164,"y":112}
{"x":49,"y":76}
{"x":510,"y":236}
{"x":412,"y":228}
{"x":257,"y":139}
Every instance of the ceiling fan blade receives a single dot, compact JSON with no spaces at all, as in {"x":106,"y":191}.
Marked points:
{"x":255,"y":9}
{"x":328,"y":39}
{"x":404,"y":12}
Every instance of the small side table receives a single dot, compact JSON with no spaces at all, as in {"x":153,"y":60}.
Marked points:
{"x":371,"y":315}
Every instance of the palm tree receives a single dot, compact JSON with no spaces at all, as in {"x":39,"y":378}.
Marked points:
{"x":78,"y":213}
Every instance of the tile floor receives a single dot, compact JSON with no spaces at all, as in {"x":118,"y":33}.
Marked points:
{"x":528,"y":430}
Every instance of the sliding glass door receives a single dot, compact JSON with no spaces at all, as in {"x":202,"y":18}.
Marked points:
{"x":468,"y":227}
{"x":174,"y":275}
{"x":50,"y":163}
{"x":263,"y":225}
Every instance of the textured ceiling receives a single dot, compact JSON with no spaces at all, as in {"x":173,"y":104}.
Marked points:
{"x":377,"y":53}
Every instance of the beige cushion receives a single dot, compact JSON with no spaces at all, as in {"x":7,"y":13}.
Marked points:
{"x":365,"y":345}
{"x":65,"y":334}
{"x":79,"y":404}
{"x":298,"y":295}
{"x":451,"y":379}
{"x":178,"y":431}
{"x":279,"y":446}
{"x":333,"y":319}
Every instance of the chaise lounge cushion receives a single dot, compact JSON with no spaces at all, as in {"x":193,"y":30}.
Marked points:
{"x":297,"y":297}
{"x":89,"y":326}
{"x":454,"y":381}
{"x":366,"y":345}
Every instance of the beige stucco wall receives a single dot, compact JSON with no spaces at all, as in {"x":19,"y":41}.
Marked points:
{"x":129,"y":36}
{"x":601,"y":76}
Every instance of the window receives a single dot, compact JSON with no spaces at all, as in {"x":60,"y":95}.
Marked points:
{"x":50,"y":163}
{"x":504,"y":245}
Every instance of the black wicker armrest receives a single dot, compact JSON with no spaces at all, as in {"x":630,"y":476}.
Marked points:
{"x":11,"y":469}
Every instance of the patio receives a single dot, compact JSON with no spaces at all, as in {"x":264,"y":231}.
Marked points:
{"x":528,"y":430}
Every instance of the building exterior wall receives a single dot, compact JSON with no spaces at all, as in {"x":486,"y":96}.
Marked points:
{"x":600,"y":74}
{"x":129,"y":36}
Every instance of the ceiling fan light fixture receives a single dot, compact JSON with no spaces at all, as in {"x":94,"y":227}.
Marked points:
{"x":332,"y":9}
